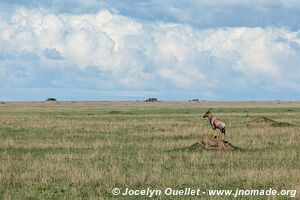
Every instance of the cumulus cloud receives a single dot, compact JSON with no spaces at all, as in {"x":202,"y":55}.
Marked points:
{"x":207,"y":14}
{"x":53,"y":54}
{"x":197,"y":13}
{"x":105,"y":51}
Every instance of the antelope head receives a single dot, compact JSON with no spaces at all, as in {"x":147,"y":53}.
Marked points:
{"x":207,"y":113}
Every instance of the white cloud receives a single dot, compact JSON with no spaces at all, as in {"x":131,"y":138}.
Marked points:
{"x":147,"y":55}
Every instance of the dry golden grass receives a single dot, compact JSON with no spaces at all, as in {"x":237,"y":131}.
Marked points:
{"x":82,"y":150}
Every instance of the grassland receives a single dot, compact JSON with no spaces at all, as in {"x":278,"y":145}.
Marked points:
{"x":81,"y":150}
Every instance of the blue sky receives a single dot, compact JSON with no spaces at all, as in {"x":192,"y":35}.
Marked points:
{"x":129,"y":50}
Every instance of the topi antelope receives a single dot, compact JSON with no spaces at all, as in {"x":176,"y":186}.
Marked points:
{"x":215,"y":123}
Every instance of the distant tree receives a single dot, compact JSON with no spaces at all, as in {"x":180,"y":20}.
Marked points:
{"x":51,"y":99}
{"x":151,"y":100}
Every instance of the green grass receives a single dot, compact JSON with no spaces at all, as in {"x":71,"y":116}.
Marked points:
{"x":82,"y":152}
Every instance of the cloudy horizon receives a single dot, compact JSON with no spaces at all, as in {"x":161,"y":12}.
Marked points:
{"x":132,"y":50}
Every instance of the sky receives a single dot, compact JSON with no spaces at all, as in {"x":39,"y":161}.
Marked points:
{"x":133,"y":50}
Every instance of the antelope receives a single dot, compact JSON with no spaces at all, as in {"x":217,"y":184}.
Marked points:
{"x":215,"y":123}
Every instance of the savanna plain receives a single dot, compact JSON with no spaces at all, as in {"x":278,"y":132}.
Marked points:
{"x":82,"y":150}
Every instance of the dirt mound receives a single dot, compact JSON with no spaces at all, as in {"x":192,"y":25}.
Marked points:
{"x":282,"y":124}
{"x":210,"y":143}
{"x":260,"y":119}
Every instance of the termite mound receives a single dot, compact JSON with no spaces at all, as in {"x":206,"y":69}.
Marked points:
{"x":211,"y":143}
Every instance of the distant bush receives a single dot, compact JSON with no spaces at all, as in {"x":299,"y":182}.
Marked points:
{"x":51,"y":99}
{"x":151,"y":100}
